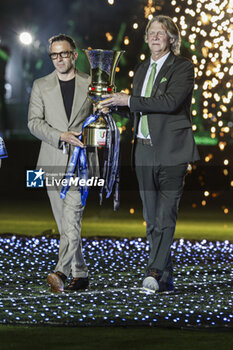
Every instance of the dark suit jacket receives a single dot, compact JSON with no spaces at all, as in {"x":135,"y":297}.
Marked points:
{"x":168,"y":110}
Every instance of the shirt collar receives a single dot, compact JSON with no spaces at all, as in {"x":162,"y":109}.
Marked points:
{"x":160,"y":61}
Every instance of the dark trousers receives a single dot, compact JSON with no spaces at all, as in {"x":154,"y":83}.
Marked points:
{"x":160,"y":190}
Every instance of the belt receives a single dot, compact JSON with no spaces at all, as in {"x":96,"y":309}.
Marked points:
{"x":144,"y":141}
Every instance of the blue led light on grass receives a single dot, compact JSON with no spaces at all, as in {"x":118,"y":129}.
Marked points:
{"x":202,"y":275}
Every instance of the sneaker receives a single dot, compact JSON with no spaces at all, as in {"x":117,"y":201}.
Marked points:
{"x":151,"y":284}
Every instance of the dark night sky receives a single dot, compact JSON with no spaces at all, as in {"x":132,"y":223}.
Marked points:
{"x":86,"y":21}
{"x":91,"y":19}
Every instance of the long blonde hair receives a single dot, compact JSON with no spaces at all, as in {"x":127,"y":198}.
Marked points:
{"x":171,"y":29}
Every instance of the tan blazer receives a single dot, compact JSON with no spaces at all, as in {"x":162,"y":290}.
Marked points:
{"x":47,"y":118}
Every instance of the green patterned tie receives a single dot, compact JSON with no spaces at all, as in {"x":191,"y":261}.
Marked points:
{"x":144,"y":122}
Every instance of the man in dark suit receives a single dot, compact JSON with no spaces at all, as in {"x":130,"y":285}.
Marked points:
{"x":163,"y":141}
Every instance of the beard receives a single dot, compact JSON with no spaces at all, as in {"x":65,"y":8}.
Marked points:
{"x":66,"y":68}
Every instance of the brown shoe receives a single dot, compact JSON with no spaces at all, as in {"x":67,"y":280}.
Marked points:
{"x":78,"y":283}
{"x":56,"y":281}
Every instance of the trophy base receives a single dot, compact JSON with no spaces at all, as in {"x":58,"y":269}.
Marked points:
{"x":95,"y":137}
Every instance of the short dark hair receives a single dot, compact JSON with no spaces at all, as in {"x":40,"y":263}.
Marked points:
{"x":62,"y":37}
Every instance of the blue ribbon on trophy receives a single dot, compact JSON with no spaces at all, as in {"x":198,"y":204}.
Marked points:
{"x":79,"y":161}
{"x":3,"y":151}
{"x":99,"y":130}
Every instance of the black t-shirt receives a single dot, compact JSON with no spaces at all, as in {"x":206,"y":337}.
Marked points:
{"x":67,"y":90}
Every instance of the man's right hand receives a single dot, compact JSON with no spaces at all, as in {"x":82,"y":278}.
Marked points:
{"x":71,"y":137}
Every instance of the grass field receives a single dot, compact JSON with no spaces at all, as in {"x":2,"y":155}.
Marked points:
{"x":34,"y":218}
{"x":113,"y":338}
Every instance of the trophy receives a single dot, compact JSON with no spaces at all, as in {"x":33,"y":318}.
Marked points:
{"x":103,"y":64}
{"x":99,"y":130}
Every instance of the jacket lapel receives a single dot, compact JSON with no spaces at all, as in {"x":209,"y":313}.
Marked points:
{"x":80,"y":95}
{"x":141,"y":77}
{"x":162,"y":73}
{"x":56,"y":97}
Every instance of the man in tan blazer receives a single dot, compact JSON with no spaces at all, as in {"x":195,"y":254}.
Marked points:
{"x":57,"y":110}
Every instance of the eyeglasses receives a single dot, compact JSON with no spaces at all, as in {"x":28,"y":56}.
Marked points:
{"x":62,"y":54}
{"x":159,"y":34}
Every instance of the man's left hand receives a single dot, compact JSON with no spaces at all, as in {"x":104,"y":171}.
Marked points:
{"x":117,"y":99}
{"x":104,"y":110}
